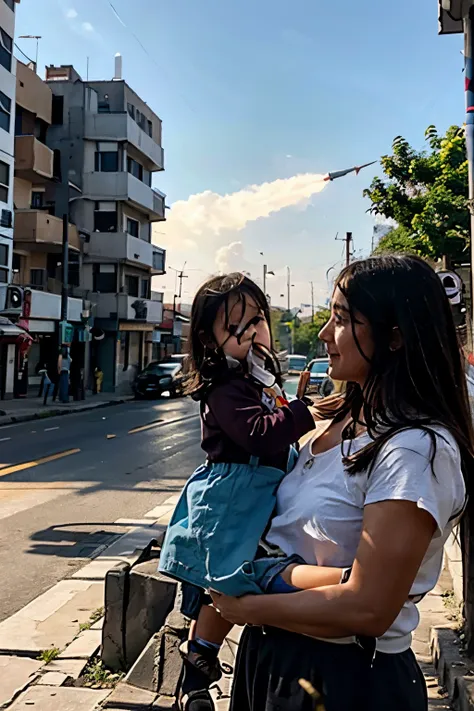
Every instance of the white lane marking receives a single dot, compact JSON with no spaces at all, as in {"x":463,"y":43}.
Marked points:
{"x":5,"y":439}
{"x":50,"y":429}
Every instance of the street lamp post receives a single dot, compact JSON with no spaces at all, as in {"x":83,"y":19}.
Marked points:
{"x":37,"y":38}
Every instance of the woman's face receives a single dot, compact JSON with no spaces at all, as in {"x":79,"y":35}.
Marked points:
{"x":259,"y":332}
{"x":346,"y":362}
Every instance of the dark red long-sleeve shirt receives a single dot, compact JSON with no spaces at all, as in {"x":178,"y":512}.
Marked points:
{"x":236,"y":424}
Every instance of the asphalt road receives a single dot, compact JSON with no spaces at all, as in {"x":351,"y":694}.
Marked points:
{"x":65,"y":481}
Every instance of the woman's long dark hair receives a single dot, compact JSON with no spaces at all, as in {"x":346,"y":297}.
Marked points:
{"x":420,"y":384}
{"x":207,"y":362}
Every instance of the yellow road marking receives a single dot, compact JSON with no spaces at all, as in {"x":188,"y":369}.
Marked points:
{"x":37,"y":462}
{"x":111,"y":436}
{"x":145,"y":427}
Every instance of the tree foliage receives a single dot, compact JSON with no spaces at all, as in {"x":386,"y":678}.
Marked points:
{"x":426,"y":194}
{"x":305,"y":335}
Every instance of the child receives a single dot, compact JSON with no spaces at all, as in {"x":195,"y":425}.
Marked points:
{"x":248,"y":429}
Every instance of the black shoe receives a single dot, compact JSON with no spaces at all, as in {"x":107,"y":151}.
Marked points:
{"x":199,"y":700}
{"x":208,"y":666}
{"x":201,"y":670}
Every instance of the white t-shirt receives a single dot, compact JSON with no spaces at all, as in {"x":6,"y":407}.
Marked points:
{"x":320,"y":508}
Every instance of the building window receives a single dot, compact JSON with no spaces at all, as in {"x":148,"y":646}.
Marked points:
{"x":73,"y":273}
{"x":131,"y":110}
{"x":38,"y":278}
{"x":150,"y":129}
{"x":133,"y":227}
{"x":145,"y":289}
{"x":57,"y":117}
{"x":105,"y":278}
{"x":5,"y":110}
{"x":3,"y":255}
{"x":131,"y":285}
{"x":103,"y":107}
{"x":37,"y":200}
{"x":135,"y":168}
{"x":106,"y":161}
{"x":105,"y":217}
{"x":4,"y":181}
{"x":6,"y":48}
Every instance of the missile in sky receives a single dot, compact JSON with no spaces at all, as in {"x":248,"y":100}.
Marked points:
{"x":342,"y":173}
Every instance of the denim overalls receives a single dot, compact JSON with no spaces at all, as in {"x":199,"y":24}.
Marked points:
{"x":214,"y":533}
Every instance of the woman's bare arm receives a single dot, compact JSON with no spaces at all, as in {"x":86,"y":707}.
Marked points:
{"x":394,"y":540}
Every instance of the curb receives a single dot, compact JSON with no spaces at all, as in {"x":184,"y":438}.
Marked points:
{"x":454,"y":669}
{"x":43,"y":415}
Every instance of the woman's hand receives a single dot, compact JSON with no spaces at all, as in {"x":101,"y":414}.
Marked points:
{"x":238,"y":610}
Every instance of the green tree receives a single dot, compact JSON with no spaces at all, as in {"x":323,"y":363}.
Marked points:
{"x":397,"y":240}
{"x":426,"y":194}
{"x":305,"y":335}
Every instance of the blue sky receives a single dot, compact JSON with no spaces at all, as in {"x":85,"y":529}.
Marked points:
{"x":256,"y":91}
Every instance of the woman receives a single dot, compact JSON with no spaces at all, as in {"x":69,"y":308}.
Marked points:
{"x":375,"y":493}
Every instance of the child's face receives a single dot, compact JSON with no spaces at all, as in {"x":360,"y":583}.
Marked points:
{"x":238,"y":317}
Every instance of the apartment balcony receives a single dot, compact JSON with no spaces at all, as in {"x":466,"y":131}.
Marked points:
{"x":121,"y":127}
{"x":33,"y":160}
{"x":124,"y":186}
{"x":44,"y":305}
{"x":40,"y":228}
{"x":122,"y":247}
{"x":128,"y":308}
{"x":159,"y":261}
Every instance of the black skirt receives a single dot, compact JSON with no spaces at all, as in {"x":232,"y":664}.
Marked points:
{"x":270,"y":663}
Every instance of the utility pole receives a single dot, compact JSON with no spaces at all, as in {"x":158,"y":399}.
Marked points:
{"x":180,"y":275}
{"x":312,"y":301}
{"x":458,"y":18}
{"x":265,"y":280}
{"x":288,"y":287}
{"x":64,"y":335}
{"x":348,"y":241}
{"x":468,"y":25}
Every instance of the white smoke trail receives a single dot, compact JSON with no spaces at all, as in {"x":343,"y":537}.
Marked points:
{"x":209,"y":214}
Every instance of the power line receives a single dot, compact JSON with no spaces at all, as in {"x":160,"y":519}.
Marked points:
{"x":144,"y":49}
{"x":136,"y":38}
{"x":25,"y":55}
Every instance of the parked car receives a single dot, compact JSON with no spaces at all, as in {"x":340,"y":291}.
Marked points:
{"x":318,"y":370}
{"x":160,"y":377}
{"x":296,"y":364}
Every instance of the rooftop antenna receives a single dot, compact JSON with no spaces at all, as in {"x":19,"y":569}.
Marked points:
{"x":118,"y":67}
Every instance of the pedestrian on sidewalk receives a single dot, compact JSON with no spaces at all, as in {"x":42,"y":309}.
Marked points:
{"x":375,"y":494}
{"x":64,"y":367}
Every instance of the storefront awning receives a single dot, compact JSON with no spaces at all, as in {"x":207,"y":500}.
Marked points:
{"x":11,"y":330}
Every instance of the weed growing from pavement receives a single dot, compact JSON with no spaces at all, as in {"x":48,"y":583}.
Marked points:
{"x":95,"y":617}
{"x":49,"y":655}
{"x":453,"y":608}
{"x":97,"y":676}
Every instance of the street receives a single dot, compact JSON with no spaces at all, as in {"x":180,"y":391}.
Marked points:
{"x":66,"y":481}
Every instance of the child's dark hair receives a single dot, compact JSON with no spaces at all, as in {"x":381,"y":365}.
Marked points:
{"x":207,"y":361}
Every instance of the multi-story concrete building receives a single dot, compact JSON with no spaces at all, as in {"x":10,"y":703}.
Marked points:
{"x":7,"y":137}
{"x":37,"y":246}
{"x":109,"y":142}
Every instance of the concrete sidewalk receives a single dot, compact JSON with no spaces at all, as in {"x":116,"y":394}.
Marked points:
{"x":32,"y":408}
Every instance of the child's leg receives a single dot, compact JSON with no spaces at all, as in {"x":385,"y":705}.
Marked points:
{"x":211,"y":627}
{"x":201,"y":665}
